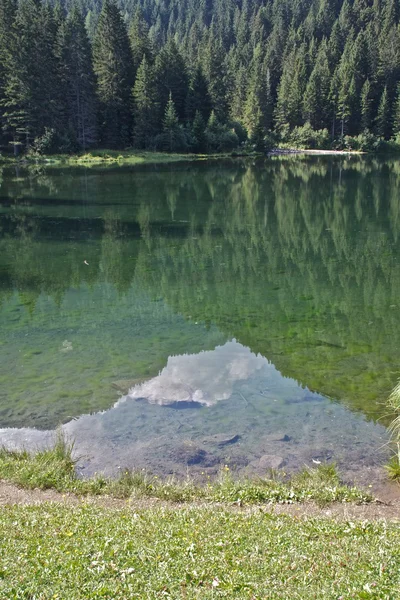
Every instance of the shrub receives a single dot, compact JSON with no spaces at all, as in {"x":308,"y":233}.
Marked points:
{"x":174,"y":140}
{"x":239,"y":130}
{"x":364,"y":142}
{"x":307,"y":137}
{"x":219,"y":137}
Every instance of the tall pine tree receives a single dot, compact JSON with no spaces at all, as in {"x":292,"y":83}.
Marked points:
{"x":145,"y":106}
{"x":78,"y":81}
{"x":112,"y":61}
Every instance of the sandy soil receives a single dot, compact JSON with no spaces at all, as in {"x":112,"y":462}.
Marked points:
{"x":380,"y":509}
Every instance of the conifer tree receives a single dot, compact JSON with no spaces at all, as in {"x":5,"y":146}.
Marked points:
{"x":335,"y":45}
{"x":197,"y":99}
{"x":366,"y":105}
{"x":170,"y":72}
{"x":238,"y":92}
{"x":396,"y":115}
{"x":77,"y":79}
{"x":172,"y":138}
{"x":257,"y":107}
{"x":7,"y":39}
{"x":112,"y":61}
{"x":213,"y":61}
{"x":383,"y":125}
{"x":31,"y":91}
{"x":291,"y":89}
{"x":145,"y":106}
{"x":316,"y":95}
{"x":198,"y":131}
{"x":139,"y":40}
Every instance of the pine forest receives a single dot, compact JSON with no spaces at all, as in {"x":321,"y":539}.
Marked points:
{"x":198,"y":75}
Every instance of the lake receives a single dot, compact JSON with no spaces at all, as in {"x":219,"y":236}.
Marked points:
{"x":182,"y":317}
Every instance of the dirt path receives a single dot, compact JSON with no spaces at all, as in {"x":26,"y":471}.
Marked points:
{"x":11,"y":494}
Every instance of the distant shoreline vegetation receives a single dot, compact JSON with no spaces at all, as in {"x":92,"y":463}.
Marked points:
{"x":136,"y":157}
{"x":179,"y":77}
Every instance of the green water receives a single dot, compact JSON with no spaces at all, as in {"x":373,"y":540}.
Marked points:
{"x":105,"y":274}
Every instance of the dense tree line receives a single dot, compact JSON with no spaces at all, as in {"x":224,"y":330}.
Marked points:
{"x":206,"y":75}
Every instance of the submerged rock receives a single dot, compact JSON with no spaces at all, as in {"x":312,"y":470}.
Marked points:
{"x":278,"y":436}
{"x":222,"y":439}
{"x":190,"y":454}
{"x":271,"y":461}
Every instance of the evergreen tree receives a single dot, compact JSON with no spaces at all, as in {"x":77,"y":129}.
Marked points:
{"x":112,"y":61}
{"x":198,"y":131}
{"x":383,"y":125}
{"x":396,"y":115}
{"x":290,"y":92}
{"x":77,"y":80}
{"x":145,"y":106}
{"x":171,"y":77}
{"x":347,"y":85}
{"x":215,"y":74}
{"x":172,"y":138}
{"x":366,"y":106}
{"x":258,"y":104}
{"x":31,"y":87}
{"x":238,"y":92}
{"x":139,"y":39}
{"x":316,"y":95}
{"x":7,"y":39}
{"x":197,"y":99}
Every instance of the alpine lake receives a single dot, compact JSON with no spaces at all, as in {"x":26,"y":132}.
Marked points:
{"x":179,"y":318}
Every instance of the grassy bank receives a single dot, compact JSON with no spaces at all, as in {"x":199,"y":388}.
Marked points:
{"x":136,"y":157}
{"x":107,"y":157}
{"x":191,"y":550}
{"x":53,"y":551}
{"x":55,"y":469}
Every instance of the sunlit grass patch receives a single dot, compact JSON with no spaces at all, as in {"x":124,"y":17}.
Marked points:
{"x":55,"y":551}
{"x":109,"y":157}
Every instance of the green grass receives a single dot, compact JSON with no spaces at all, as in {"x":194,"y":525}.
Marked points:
{"x":56,"y":552}
{"x":55,"y":469}
{"x":109,"y":157}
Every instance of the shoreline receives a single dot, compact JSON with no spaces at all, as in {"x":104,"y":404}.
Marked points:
{"x":296,"y":151}
{"x":12,"y":494}
{"x":136,"y":158}
{"x":109,"y":157}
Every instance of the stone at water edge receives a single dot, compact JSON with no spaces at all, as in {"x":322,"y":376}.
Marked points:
{"x":271,"y":461}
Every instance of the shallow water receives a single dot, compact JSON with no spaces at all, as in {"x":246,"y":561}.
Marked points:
{"x":186,"y":316}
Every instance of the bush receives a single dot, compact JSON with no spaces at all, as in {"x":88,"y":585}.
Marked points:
{"x":239,"y":130}
{"x":48,"y":143}
{"x":51,"y":142}
{"x":269,"y":142}
{"x":174,"y":140}
{"x":307,"y":137}
{"x":219,"y":137}
{"x":364,"y":142}
{"x":391,"y":146}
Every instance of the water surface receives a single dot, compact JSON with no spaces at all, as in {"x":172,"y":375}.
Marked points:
{"x":192,"y":315}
